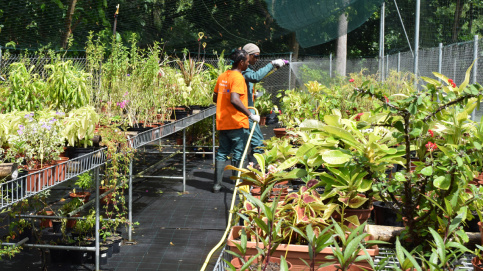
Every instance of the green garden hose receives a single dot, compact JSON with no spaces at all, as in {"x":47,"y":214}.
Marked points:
{"x":230,"y":214}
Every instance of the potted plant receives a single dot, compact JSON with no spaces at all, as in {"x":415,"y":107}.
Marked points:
{"x":79,"y":125}
{"x":84,"y":181}
{"x":40,"y":143}
{"x":263,"y":104}
{"x":262,"y":178}
{"x":67,"y":208}
{"x":350,"y":249}
{"x":267,"y":239}
{"x":436,"y":129}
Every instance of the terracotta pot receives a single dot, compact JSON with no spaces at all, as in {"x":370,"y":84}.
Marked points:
{"x":39,"y":178}
{"x":263,"y":121}
{"x":60,"y":169}
{"x":237,"y":263}
{"x":362,"y":214}
{"x":84,"y":196}
{"x":294,"y":252}
{"x":477,"y":264}
{"x":280,"y":132}
{"x":107,"y":199}
{"x":71,"y":222}
{"x":45,"y":222}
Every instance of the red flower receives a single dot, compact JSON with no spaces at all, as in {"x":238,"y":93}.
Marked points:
{"x":431,"y":146}
{"x":280,"y":111}
{"x":358,"y":117}
{"x":351,"y":80}
{"x":451,"y":82}
{"x":431,"y":132}
{"x":387,"y":100}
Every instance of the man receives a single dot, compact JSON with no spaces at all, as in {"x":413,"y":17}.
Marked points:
{"x":232,"y":114}
{"x":252,"y":77}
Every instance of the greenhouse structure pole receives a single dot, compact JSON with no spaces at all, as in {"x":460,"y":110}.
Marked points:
{"x":184,"y":160}
{"x":416,"y":43}
{"x":387,"y":66}
{"x":381,"y":42}
{"x":290,"y":73}
{"x":214,"y":133}
{"x":130,"y":202}
{"x":475,"y":70}
{"x":440,"y":59}
{"x":97,"y":254}
{"x":330,"y":65}
{"x":398,"y":62}
{"x":440,"y":63}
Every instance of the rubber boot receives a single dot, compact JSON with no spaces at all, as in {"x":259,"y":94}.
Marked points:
{"x":234,"y":172}
{"x":219,"y":170}
{"x":236,"y":164}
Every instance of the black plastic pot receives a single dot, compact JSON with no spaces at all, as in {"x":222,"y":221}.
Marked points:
{"x":103,"y":255}
{"x":384,"y":215}
{"x":178,"y":114}
{"x":116,"y":246}
{"x":472,"y":225}
{"x":56,"y":226}
{"x":110,"y":247}
{"x":79,"y":257}
{"x":139,"y":127}
{"x":77,"y":151}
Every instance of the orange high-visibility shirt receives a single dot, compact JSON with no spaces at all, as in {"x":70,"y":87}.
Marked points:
{"x":227,"y":116}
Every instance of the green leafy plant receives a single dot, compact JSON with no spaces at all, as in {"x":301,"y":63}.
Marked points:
{"x":347,"y":250}
{"x":79,"y":126}
{"x":433,"y":125}
{"x":84,"y":181}
{"x":316,"y":243}
{"x":66,"y":86}
{"x":263,"y":178}
{"x":267,"y":235}
{"x":25,"y":89}
{"x":264,"y":104}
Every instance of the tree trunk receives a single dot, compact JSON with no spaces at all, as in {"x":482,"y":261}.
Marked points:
{"x":294,"y":46}
{"x":68,"y":23}
{"x":457,"y":15}
{"x":341,"y":57}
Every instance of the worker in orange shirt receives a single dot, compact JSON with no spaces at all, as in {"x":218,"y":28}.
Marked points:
{"x":232,"y":114}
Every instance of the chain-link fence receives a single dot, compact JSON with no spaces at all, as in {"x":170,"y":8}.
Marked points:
{"x":450,"y":60}
{"x":37,"y":62}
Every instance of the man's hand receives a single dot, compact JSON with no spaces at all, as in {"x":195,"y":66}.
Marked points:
{"x":255,"y":118}
{"x":278,"y":63}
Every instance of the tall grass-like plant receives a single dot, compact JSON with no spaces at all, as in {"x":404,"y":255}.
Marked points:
{"x":66,"y":86}
{"x":24,"y":89}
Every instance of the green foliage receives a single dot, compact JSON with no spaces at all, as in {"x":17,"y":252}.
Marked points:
{"x":434,"y":124}
{"x":316,"y":243}
{"x":347,"y":249}
{"x":66,"y":86}
{"x":79,"y":126}
{"x":84,"y":181}
{"x":24,"y":89}
{"x":264,"y":103}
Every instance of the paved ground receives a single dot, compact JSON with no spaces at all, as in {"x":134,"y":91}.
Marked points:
{"x":176,"y":231}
